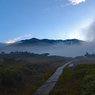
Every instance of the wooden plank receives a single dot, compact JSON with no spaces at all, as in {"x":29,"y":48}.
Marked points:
{"x":71,"y":66}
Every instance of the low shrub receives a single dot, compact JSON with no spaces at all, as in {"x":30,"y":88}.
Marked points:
{"x":80,"y":81}
{"x":88,"y":85}
{"x":8,"y":76}
{"x":9,"y":60}
{"x":79,"y":73}
{"x":26,"y":70}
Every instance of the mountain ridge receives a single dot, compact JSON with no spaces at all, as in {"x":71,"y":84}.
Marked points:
{"x":35,"y":41}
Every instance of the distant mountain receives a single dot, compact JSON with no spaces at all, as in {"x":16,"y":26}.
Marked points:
{"x":35,"y":41}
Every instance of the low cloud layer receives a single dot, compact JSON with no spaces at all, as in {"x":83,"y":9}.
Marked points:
{"x":58,"y":49}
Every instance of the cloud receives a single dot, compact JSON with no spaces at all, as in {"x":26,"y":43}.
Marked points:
{"x":27,"y":35}
{"x":17,"y":39}
{"x":59,"y":49}
{"x":76,"y":34}
{"x":75,"y":2}
{"x":46,"y":9}
{"x":58,"y":0}
{"x":14,"y":40}
{"x":86,"y":33}
{"x":89,"y":32}
{"x":62,"y":5}
{"x":57,"y":7}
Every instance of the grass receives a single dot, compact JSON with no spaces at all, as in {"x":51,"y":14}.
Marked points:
{"x":21,"y":73}
{"x":33,"y":88}
{"x":79,"y":81}
{"x":66,"y":84}
{"x":30,"y":90}
{"x":23,"y":77}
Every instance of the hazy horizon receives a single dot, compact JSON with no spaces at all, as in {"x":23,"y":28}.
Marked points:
{"x":59,"y":49}
{"x":46,"y":38}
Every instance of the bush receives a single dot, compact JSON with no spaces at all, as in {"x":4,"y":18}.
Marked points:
{"x":8,"y":76}
{"x":8,"y":59}
{"x":90,"y":71}
{"x":26,"y":70}
{"x":88,"y":85}
{"x":80,"y":81}
{"x":79,"y":73}
{"x":87,"y":73}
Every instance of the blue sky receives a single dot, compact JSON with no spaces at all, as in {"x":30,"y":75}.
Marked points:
{"x":52,"y":19}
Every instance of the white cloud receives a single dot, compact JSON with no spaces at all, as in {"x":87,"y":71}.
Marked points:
{"x":75,"y":2}
{"x":27,"y":35}
{"x":58,"y":7}
{"x":76,"y":35}
{"x":10,"y":41}
{"x":58,"y":0}
{"x":14,"y":40}
{"x":62,"y":5}
{"x":83,"y":31}
{"x":17,"y":39}
{"x":46,"y":9}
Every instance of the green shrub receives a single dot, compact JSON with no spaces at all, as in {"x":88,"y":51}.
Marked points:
{"x":8,"y":76}
{"x":26,"y":70}
{"x":79,"y":73}
{"x":90,"y":71}
{"x":9,"y":60}
{"x":80,"y":81}
{"x":88,"y":85}
{"x":87,"y":73}
{"x":88,"y":78}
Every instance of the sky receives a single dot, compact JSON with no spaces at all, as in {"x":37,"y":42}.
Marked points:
{"x":51,"y":19}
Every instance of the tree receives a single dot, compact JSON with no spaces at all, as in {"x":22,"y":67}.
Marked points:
{"x":87,"y":54}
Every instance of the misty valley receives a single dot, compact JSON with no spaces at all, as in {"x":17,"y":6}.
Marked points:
{"x":28,"y":64}
{"x":68,"y":48}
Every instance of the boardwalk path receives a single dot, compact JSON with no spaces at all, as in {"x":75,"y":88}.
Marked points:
{"x":50,"y":83}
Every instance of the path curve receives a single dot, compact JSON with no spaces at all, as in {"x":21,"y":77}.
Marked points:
{"x":50,"y":83}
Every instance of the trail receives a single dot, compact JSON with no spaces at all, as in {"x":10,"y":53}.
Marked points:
{"x":50,"y":83}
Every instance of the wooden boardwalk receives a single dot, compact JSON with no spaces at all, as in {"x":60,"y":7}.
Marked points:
{"x":50,"y":83}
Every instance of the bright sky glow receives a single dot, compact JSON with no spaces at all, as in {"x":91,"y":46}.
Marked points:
{"x":52,"y":19}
